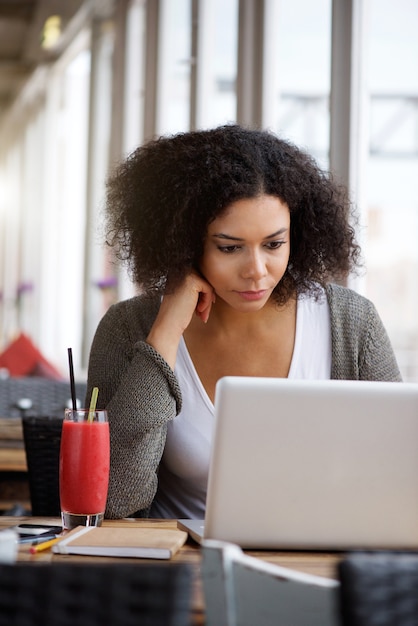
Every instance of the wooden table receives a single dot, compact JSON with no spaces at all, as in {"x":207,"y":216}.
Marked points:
{"x":12,"y":449}
{"x":14,"y":488}
{"x":321,"y":564}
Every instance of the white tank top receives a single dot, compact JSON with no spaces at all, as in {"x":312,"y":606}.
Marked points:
{"x":183,"y":470}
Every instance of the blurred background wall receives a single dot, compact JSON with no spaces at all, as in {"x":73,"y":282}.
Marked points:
{"x":83,"y":82}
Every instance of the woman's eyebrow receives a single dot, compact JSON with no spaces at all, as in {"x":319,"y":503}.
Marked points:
{"x":281,"y":231}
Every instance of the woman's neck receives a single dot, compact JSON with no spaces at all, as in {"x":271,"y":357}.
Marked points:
{"x":233,"y":343}
{"x":228,"y":321}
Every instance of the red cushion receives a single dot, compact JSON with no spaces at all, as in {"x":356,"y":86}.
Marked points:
{"x":22,"y":358}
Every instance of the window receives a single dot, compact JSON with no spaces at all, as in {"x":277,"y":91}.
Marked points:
{"x":390,"y":241}
{"x":194,"y":64}
{"x":174,"y":67}
{"x":298,"y":60}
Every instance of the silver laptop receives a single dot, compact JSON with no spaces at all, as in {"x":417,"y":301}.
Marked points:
{"x":326,"y":465}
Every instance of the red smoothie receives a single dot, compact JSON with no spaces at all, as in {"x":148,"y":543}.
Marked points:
{"x":84,"y":467}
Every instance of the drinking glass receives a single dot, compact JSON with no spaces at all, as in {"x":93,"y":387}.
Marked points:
{"x":84,"y":467}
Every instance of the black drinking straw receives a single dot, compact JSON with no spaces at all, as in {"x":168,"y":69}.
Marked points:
{"x":72,"y":383}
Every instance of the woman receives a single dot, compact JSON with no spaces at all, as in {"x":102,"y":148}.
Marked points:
{"x":233,"y":237}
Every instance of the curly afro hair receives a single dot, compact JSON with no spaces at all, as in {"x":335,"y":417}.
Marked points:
{"x":162,"y":198}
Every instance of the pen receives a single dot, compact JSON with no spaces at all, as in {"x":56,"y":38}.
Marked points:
{"x":44,"y":545}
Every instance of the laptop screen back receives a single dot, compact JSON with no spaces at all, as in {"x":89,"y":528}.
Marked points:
{"x":314,"y":464}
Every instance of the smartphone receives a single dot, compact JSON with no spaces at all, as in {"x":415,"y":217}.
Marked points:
{"x":32,"y":533}
{"x":37,"y":529}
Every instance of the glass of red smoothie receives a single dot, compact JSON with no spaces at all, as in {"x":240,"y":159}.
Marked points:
{"x":84,"y":467}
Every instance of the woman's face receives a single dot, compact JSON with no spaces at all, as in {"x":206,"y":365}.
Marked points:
{"x":247,"y":250}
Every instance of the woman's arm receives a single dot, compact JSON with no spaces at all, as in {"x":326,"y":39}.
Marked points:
{"x":140,"y":392}
{"x":377,"y":359}
{"x":361,"y":349}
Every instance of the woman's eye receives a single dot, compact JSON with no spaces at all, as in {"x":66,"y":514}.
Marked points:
{"x":228,"y":249}
{"x":274,"y":245}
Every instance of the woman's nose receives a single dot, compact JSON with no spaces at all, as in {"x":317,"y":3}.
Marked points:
{"x":254,"y":266}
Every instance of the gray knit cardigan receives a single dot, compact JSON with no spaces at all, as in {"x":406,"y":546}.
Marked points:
{"x":141,"y":392}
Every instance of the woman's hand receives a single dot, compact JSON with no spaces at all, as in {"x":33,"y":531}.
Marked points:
{"x":194,"y":296}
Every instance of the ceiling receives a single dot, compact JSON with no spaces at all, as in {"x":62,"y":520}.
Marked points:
{"x":21,"y":33}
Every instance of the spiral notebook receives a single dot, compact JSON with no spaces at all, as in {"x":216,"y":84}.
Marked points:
{"x":313,"y":465}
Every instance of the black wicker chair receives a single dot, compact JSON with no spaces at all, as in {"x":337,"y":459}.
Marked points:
{"x":379,"y":589}
{"x":87,"y":594}
{"x":42,"y":438}
{"x":33,"y":396}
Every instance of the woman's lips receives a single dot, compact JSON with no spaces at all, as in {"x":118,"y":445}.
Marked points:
{"x":252,"y":295}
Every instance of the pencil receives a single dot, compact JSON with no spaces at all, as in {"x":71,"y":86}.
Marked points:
{"x":44,"y":545}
